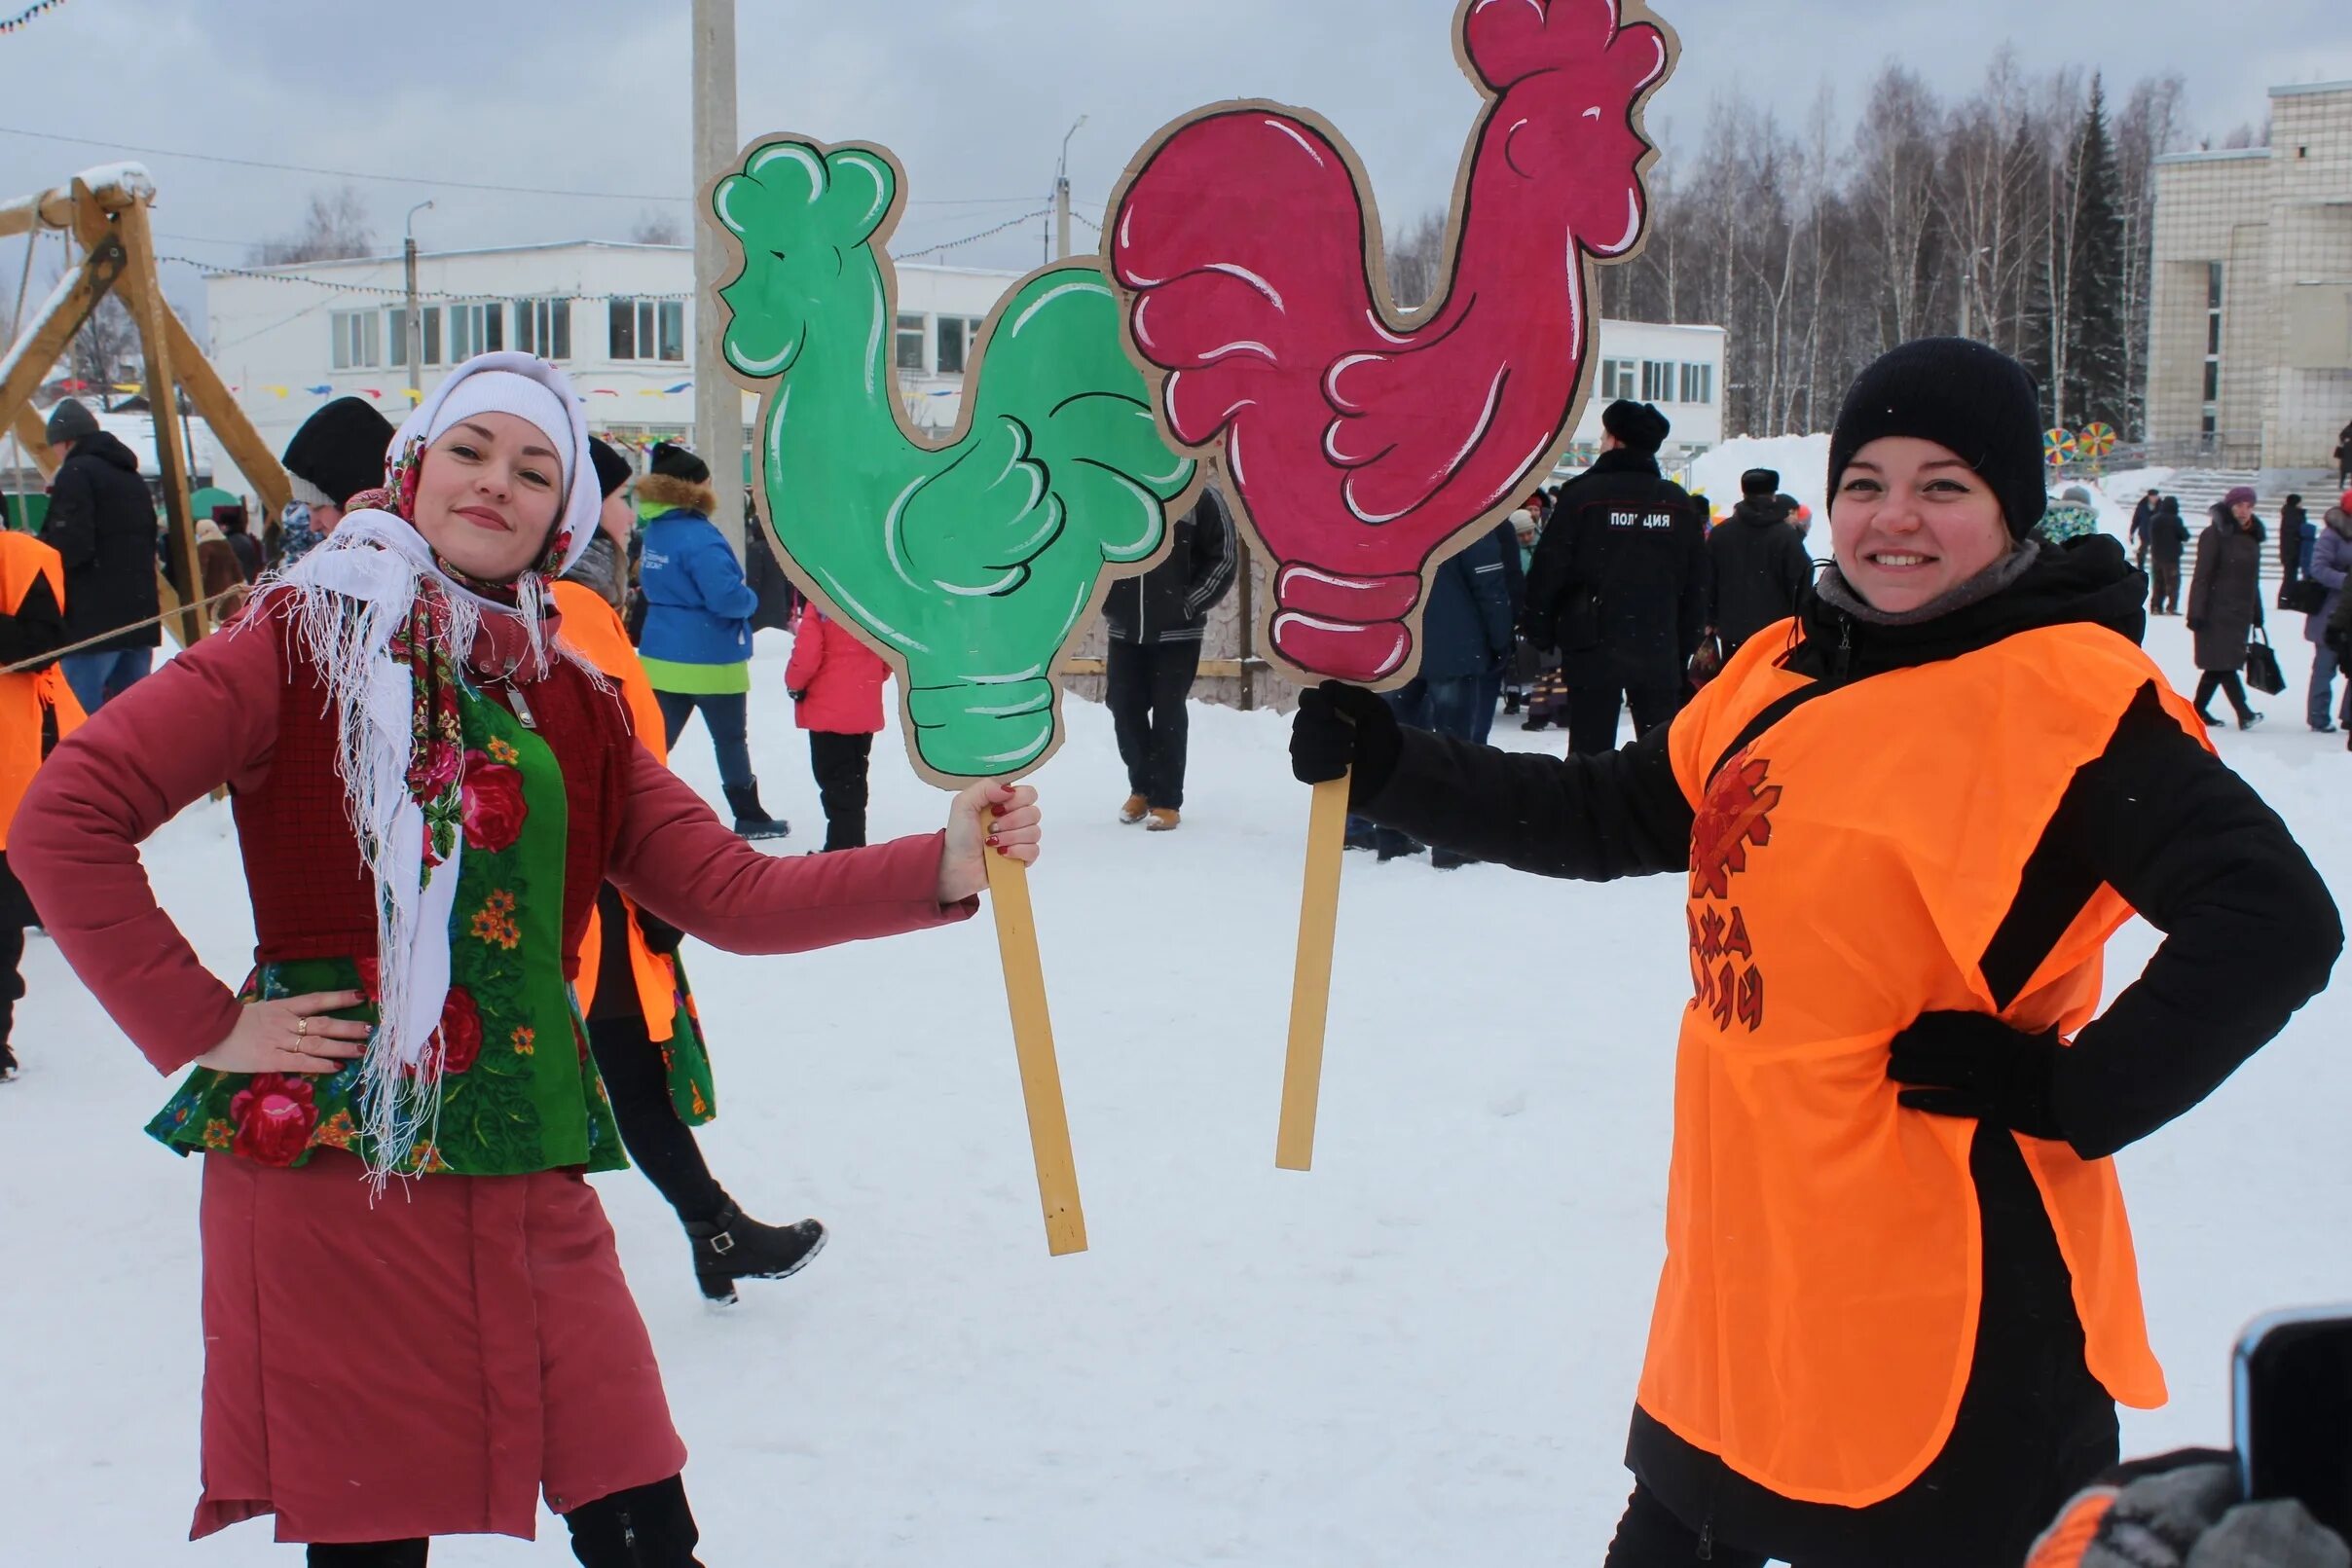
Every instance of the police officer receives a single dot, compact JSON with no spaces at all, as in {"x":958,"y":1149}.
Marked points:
{"x":1620,"y":583}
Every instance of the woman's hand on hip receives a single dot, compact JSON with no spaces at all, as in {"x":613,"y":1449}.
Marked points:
{"x":987,"y":819}
{"x":292,"y":1035}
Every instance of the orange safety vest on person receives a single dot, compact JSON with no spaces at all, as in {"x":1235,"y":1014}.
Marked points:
{"x":28,"y":697}
{"x":594,"y":627}
{"x":1816,"y":1316}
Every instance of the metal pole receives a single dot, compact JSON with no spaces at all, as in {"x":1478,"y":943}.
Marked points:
{"x":1061,"y":193}
{"x":412,"y":329}
{"x":717,"y":405}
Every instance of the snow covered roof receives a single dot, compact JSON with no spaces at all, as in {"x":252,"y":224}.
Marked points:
{"x":137,"y":432}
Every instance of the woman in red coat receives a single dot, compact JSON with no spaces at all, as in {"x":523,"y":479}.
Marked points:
{"x":835,"y":684}
{"x":426,"y":813}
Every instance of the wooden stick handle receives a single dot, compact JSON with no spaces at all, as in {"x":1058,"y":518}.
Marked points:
{"x":1033,"y":1045}
{"x":1310,"y":982}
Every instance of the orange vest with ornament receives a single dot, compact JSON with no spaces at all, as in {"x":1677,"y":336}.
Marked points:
{"x":593,"y":626}
{"x":27,"y":697}
{"x":1817,"y":1315}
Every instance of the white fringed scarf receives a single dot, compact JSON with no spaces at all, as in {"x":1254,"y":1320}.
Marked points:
{"x":348,"y":601}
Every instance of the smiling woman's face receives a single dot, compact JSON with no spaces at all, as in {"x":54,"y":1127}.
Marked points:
{"x":1910,"y":521}
{"x":487,"y":494}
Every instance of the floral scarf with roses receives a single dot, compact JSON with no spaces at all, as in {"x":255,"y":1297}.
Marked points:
{"x":518,"y":1091}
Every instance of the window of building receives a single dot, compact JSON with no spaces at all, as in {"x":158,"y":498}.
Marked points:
{"x":395,"y":334}
{"x":1658,"y":380}
{"x":1616,"y":379}
{"x":2213,"y":379}
{"x":357,"y":338}
{"x":2213,"y":332}
{"x":646,"y":329}
{"x":2213,"y":285}
{"x":476,"y":329}
{"x":543,"y":327}
{"x":957,"y":336}
{"x":1698,"y":383}
{"x":912,"y":329}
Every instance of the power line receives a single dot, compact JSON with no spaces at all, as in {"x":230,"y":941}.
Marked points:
{"x":1009,"y":223}
{"x":435,"y":180}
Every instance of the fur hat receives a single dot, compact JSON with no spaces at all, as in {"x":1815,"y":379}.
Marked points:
{"x":1639,"y":426}
{"x":1964,"y":395}
{"x":1759,"y":481}
{"x":338,"y":452}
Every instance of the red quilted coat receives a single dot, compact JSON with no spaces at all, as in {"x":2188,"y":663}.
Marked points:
{"x":838,"y":677}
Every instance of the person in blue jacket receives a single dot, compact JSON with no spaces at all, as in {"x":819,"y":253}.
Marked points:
{"x":697,"y":642}
{"x":1466,"y":636}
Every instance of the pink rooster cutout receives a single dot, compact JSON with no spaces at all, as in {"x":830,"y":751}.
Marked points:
{"x":1368,"y":443}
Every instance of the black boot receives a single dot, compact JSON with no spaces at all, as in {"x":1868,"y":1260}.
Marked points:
{"x":736,"y":1247}
{"x":643,"y":1527}
{"x":751,"y":818}
{"x":8,"y":1061}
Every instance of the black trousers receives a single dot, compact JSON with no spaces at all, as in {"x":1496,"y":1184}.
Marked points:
{"x":659,"y":1144}
{"x":840,"y":763}
{"x":1649,"y":1535}
{"x":1145,"y":685}
{"x":643,"y":1527}
{"x":16,"y":913}
{"x":2164,"y":592}
{"x":2227,"y":683}
{"x":1593,"y":707}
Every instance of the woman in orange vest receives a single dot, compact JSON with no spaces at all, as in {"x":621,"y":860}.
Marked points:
{"x":1900,"y":1300}
{"x":36,"y":709}
{"x":643,"y":1027}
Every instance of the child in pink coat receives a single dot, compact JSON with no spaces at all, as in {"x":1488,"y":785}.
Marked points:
{"x":835,"y":682}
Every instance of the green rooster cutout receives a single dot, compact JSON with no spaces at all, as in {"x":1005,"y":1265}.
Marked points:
{"x":969,"y":565}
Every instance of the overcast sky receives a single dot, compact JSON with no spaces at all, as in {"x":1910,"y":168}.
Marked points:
{"x":973,"y":94}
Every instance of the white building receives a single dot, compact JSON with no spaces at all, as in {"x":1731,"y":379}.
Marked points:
{"x":620,"y":320}
{"x":618,"y":317}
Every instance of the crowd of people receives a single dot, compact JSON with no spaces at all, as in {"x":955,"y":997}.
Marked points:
{"x":470,"y":868}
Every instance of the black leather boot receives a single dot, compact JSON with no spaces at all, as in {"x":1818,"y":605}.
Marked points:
{"x":643,"y":1527}
{"x":409,"y":1554}
{"x":751,"y":818}
{"x":734,"y":1246}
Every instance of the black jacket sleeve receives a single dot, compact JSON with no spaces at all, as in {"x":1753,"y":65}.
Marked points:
{"x":1615,"y":813}
{"x":72,"y":526}
{"x":36,"y":627}
{"x":1214,"y":555}
{"x":1796,"y":566}
{"x":1698,"y":602}
{"x":2250,"y":931}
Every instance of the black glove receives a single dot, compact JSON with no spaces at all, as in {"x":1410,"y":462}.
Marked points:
{"x":1971,"y":1064}
{"x":796,"y":696}
{"x":660,"y":936}
{"x":1345,"y":730}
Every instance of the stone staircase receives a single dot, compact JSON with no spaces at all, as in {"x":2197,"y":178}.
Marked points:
{"x":2200,"y":490}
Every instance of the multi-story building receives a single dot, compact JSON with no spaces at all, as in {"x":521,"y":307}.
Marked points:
{"x":2250,"y":326}
{"x":620,"y":320}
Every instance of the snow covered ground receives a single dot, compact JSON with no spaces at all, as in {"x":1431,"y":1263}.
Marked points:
{"x":1424,"y":1352}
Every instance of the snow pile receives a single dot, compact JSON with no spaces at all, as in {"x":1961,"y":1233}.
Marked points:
{"x":1423,"y":1352}
{"x":1802,"y":463}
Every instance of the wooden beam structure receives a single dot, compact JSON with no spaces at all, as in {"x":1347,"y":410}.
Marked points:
{"x":143,"y":291}
{"x":55,"y":323}
{"x":35,"y":439}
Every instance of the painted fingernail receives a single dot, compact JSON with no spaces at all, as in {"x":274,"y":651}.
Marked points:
{"x":992,"y":841}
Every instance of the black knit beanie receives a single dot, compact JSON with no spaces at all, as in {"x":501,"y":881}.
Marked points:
{"x":341,"y":448}
{"x":675,"y":460}
{"x":612,"y":470}
{"x":1958,"y":394}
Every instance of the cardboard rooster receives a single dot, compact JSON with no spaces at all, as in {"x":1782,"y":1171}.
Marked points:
{"x":1367,"y":442}
{"x":968,"y":562}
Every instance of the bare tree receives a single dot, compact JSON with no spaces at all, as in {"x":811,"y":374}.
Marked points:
{"x":106,"y":349}
{"x":1896,"y":143}
{"x":333,"y":228}
{"x":657,"y":228}
{"x":1416,"y":252}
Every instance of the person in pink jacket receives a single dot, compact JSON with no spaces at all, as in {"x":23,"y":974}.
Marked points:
{"x":835,"y":684}
{"x":426,"y":805}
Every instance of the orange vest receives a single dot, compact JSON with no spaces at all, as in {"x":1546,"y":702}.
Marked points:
{"x":25,"y":697}
{"x":594,"y":627}
{"x":1817,"y":1315}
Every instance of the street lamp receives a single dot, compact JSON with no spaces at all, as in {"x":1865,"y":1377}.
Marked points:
{"x":413,"y":328}
{"x":1061,"y":190}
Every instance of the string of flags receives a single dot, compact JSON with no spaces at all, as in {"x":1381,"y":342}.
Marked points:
{"x":9,"y":24}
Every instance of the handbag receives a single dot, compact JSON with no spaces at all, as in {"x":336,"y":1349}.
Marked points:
{"x":2301,"y":597}
{"x":2263,"y":670}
